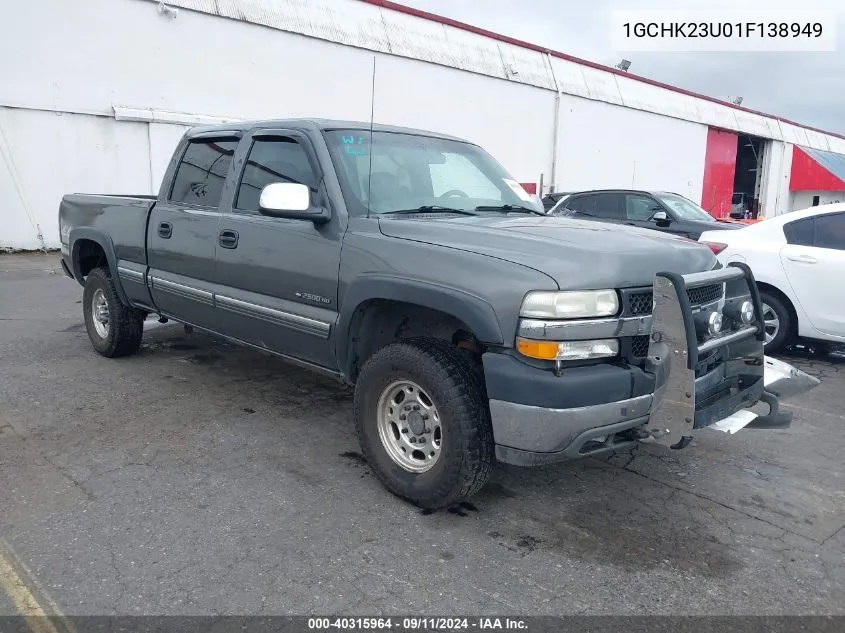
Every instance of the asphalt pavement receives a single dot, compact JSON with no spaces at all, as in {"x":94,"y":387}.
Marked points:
{"x":200,"y":478}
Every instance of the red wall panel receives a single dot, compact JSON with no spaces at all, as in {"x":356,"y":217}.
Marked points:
{"x":808,"y":175}
{"x":719,"y":170}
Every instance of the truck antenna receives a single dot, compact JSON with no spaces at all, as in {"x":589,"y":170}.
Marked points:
{"x":372,"y":114}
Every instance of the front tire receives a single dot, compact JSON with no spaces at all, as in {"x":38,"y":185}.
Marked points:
{"x":777,"y":322}
{"x":423,"y":422}
{"x":114,"y":329}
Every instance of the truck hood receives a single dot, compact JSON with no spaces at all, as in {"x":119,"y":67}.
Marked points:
{"x":577,"y":254}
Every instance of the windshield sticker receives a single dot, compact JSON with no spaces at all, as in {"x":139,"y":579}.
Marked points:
{"x":353,"y":145}
{"x":518,"y":190}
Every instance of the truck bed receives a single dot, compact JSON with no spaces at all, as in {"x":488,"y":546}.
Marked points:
{"x":122,"y":218}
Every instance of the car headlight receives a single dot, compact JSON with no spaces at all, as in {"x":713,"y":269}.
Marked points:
{"x":568,"y":350}
{"x":570,"y":304}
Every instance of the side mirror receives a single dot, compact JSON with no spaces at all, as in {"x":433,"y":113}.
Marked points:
{"x":660,"y":217}
{"x":290,"y":200}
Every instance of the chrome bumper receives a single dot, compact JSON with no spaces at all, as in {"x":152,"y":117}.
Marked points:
{"x":680,"y":403}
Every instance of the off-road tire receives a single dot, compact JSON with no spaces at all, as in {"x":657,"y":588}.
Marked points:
{"x":457,"y":390}
{"x":785,"y":327}
{"x":126,"y":324}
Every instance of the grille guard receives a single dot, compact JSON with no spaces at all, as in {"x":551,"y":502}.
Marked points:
{"x":675,"y":352}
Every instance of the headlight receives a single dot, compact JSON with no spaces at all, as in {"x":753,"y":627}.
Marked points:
{"x":570,"y":305}
{"x":568,"y":350}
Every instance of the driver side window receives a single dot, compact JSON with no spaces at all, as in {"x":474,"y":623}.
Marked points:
{"x":457,"y":173}
{"x":640,"y":208}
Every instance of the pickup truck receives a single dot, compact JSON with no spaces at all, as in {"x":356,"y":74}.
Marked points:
{"x":409,"y":264}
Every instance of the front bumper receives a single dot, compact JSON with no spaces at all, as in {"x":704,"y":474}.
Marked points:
{"x":686,"y":383}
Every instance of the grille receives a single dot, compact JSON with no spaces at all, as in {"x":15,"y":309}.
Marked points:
{"x":641,"y":302}
{"x":704,"y":294}
{"x":639,"y":346}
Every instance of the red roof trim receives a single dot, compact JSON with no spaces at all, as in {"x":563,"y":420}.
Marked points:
{"x":401,"y":8}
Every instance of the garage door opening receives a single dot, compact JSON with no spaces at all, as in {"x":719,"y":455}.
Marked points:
{"x":745,"y":201}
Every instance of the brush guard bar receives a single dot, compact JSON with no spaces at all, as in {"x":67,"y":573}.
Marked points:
{"x":701,"y":379}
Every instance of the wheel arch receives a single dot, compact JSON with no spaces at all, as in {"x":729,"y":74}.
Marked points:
{"x":90,"y":249}
{"x":386,"y":309}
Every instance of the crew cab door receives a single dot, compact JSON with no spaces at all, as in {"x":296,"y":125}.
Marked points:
{"x":814,"y":262}
{"x":183,"y":227}
{"x":278,"y":277}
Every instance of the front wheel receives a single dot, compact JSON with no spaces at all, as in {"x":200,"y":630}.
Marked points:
{"x":114,"y":329}
{"x":423,"y":422}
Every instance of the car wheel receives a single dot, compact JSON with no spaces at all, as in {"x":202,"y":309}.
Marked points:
{"x":423,"y":422}
{"x":114,"y":329}
{"x":777,"y":322}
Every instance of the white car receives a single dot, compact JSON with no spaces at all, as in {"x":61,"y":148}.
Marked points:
{"x":798,"y":260}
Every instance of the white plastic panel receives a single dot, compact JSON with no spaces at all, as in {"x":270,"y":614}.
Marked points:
{"x":716,"y":115}
{"x":59,"y":154}
{"x":836,"y":144}
{"x":601,"y":85}
{"x":643,"y":96}
{"x":751,"y":123}
{"x":816,"y":140}
{"x":793,"y":134}
{"x":422,"y":39}
{"x":344,"y":22}
{"x":627,"y":149}
{"x":526,"y":66}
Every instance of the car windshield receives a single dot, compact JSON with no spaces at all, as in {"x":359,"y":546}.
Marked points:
{"x":413,"y":172}
{"x":683,"y":208}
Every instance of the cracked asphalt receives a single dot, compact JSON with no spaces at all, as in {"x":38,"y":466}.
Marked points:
{"x":201,"y":478}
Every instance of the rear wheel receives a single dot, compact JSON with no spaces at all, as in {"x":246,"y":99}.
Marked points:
{"x":423,"y":422}
{"x":113,"y":328}
{"x":777,"y":322}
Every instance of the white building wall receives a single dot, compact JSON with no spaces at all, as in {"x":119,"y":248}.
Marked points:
{"x":774,"y":188}
{"x":245,"y":59}
{"x":804,"y":199}
{"x":199,"y":64}
{"x":58,"y":153}
{"x":603,"y":146}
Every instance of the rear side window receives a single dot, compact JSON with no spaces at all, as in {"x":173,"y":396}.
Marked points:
{"x":830,"y":231}
{"x":799,"y":232}
{"x":601,"y":205}
{"x":274,"y":159}
{"x":202,"y":172}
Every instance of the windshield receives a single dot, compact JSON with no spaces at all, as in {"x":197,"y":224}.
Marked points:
{"x":417,"y":172}
{"x":683,"y":208}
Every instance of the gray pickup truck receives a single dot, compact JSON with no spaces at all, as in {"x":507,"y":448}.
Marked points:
{"x":410,"y":264}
